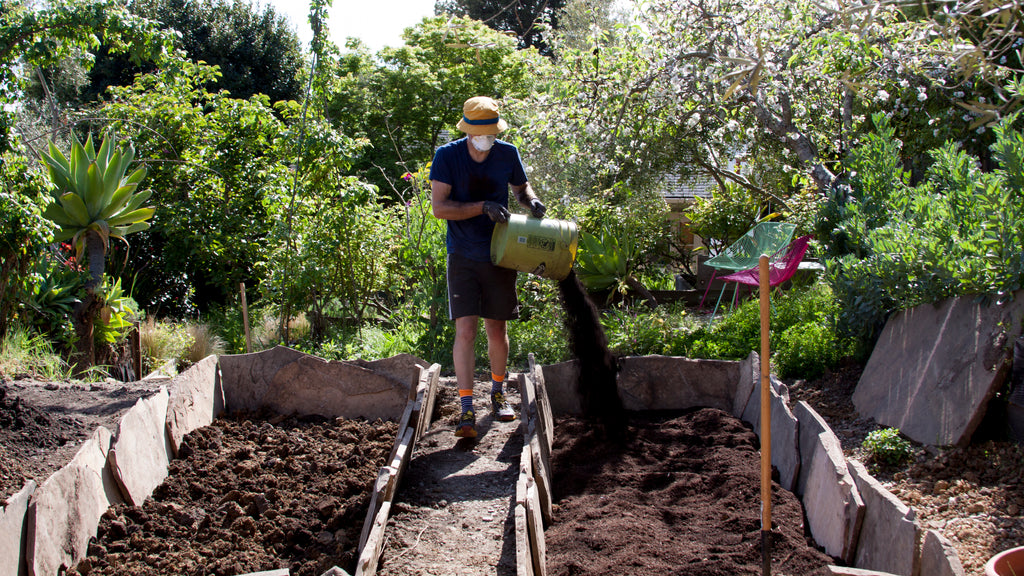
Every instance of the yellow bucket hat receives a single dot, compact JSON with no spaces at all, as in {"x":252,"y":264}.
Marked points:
{"x":480,"y":116}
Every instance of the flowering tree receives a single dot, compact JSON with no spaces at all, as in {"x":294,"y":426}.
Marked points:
{"x":689,"y":86}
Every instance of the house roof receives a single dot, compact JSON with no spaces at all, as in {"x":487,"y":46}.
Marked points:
{"x":675,"y":187}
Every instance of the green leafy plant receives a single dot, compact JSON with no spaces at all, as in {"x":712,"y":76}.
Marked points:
{"x":892,"y":246}
{"x":23,"y":231}
{"x":806,"y":350}
{"x":638,"y":331}
{"x":887,"y":448}
{"x":53,"y":291}
{"x":117,"y":314}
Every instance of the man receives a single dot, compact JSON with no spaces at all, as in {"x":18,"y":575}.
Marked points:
{"x":469,"y":184}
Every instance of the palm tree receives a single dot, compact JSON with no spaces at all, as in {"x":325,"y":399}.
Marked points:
{"x":94,"y":201}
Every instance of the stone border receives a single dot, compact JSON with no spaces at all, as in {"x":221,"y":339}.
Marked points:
{"x":46,"y":529}
{"x":849,"y":513}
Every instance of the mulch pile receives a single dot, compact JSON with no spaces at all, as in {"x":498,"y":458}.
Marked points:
{"x":680,"y":495}
{"x":251,"y":493}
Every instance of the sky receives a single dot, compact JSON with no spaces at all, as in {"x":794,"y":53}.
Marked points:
{"x":377,"y":23}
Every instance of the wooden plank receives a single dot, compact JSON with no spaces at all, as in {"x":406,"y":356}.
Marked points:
{"x":386,"y":480}
{"x":542,"y":476}
{"x":545,"y":416}
{"x":369,"y":558}
{"x":538,"y":428}
{"x":538,"y":548}
{"x":527,"y":407}
{"x":417,"y":416}
{"x":403,"y":454}
{"x":429,"y":399}
{"x":524,"y":559}
{"x":403,"y":423}
{"x":526,"y":460}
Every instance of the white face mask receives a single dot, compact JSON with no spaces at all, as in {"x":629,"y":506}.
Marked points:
{"x":483,"y":143}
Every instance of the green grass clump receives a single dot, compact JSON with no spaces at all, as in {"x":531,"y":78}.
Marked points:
{"x":204,"y":343}
{"x":25,"y":354}
{"x":163,"y":342}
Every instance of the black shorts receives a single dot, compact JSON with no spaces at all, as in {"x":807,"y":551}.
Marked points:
{"x":481,"y":289}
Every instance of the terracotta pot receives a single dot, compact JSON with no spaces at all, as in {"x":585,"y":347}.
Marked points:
{"x":1006,"y":563}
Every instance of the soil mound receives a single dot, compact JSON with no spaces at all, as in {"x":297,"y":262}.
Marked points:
{"x":250,"y":494}
{"x":679,"y":493}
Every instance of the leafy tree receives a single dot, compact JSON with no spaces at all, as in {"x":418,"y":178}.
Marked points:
{"x":403,"y":104}
{"x":214,"y":162}
{"x":257,"y":52}
{"x":527,"y":19}
{"x":43,"y":37}
{"x":94,"y":201}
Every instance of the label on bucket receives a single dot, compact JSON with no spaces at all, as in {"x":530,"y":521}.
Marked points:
{"x":538,"y":242}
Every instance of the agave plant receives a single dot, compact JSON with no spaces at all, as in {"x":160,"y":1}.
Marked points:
{"x":92,"y":194}
{"x":606,"y":262}
{"x":94,"y":200}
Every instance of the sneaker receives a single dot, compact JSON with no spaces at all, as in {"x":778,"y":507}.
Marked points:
{"x":502,"y":409}
{"x":466,"y":428}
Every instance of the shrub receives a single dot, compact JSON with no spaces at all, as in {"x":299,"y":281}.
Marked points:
{"x":893,"y":246}
{"x":804,"y":340}
{"x":805,"y":350}
{"x":886,"y":447}
{"x":162,"y":343}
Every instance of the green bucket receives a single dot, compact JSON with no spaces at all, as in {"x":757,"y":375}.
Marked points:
{"x":545,"y":247}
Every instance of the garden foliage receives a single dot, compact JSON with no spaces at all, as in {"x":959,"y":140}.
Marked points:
{"x":301,"y":200}
{"x":891,"y":245}
{"x":24,"y":233}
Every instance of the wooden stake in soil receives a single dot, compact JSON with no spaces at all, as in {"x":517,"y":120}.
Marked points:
{"x":766,"y":425}
{"x":245,"y":318}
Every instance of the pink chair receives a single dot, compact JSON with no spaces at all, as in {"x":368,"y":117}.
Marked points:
{"x":781,"y":267}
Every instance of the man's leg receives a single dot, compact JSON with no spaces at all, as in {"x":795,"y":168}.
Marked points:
{"x":463,"y":359}
{"x":497,"y":353}
{"x":497,"y":345}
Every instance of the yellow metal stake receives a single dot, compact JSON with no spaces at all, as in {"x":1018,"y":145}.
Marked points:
{"x":766,"y":425}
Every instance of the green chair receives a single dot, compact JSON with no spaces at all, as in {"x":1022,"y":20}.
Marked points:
{"x":764,"y":238}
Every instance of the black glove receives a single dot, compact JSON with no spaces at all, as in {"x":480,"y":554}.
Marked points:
{"x":537,"y":208}
{"x":496,"y":212}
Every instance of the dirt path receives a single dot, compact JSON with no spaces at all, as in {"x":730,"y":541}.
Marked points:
{"x":453,"y":513}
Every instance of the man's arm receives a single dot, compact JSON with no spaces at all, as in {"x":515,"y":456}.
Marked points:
{"x":524,"y":195}
{"x":445,"y":208}
{"x":529,"y":200}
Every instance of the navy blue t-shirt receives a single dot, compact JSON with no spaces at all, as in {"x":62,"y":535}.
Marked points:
{"x":474,"y":182}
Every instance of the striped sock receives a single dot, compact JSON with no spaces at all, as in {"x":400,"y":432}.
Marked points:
{"x":466,"y":399}
{"x":497,"y":383}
